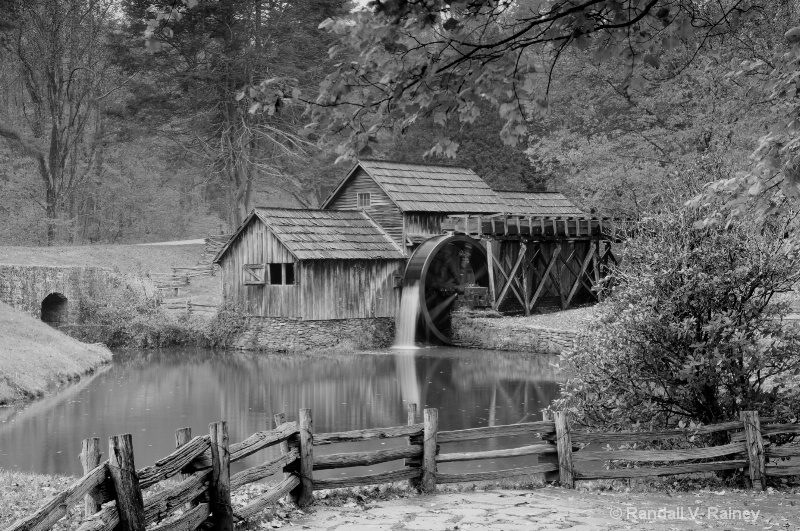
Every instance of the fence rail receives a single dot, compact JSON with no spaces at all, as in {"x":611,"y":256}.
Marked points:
{"x":112,"y":490}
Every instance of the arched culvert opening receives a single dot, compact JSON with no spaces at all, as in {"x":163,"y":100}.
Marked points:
{"x":55,"y":309}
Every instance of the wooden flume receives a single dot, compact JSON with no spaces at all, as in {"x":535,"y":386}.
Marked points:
{"x":542,"y":261}
{"x":207,"y":483}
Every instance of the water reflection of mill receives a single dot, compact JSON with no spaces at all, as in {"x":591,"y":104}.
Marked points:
{"x":150,"y":394}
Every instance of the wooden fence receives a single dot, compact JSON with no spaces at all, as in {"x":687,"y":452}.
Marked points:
{"x":188,"y":306}
{"x":112,"y":490}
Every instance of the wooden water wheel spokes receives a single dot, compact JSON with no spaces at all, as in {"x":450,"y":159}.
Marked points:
{"x":443,"y":267}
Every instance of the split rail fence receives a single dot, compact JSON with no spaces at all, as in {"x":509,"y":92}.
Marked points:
{"x":112,"y":490}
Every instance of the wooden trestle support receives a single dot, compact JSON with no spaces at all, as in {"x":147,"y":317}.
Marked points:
{"x":542,"y":260}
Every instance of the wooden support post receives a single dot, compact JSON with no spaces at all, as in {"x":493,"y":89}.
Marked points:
{"x":412,"y":419}
{"x":547,"y":273}
{"x":90,"y":458}
{"x":183,"y":436}
{"x":564,"y":446}
{"x":280,"y":418}
{"x":490,"y":268}
{"x":586,"y":261}
{"x":431,"y":427}
{"x":755,"y":449}
{"x":597,"y":271}
{"x":304,"y":493}
{"x":122,"y":469}
{"x":510,"y":278}
{"x":526,"y":292}
{"x":551,"y":458}
{"x":513,"y":288}
{"x":220,"y":487}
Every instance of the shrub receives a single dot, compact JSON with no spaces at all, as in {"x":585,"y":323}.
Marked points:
{"x":227,"y":323}
{"x":128,"y":316}
{"x":693,"y":330}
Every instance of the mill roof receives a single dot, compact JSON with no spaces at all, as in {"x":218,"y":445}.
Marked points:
{"x":429,"y":188}
{"x":538,"y":203}
{"x":324,"y":234}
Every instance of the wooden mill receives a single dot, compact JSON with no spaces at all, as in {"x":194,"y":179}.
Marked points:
{"x":443,"y":229}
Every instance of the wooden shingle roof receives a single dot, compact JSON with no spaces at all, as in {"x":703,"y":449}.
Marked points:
{"x":430,"y":188}
{"x":538,"y":204}
{"x":325,"y":234}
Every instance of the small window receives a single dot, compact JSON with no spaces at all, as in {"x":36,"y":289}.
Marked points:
{"x":289,"y":276}
{"x":364,"y":200}
{"x":276,"y":274}
{"x":254,"y":275}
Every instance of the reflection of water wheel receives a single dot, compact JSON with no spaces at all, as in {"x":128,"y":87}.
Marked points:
{"x":443,"y":267}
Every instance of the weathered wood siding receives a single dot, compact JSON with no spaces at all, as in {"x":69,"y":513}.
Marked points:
{"x":423,"y":223}
{"x":348,"y":289}
{"x":257,"y":245}
{"x":381,"y":208}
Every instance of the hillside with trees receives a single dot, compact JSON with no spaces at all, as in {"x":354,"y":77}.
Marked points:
{"x":142,"y":120}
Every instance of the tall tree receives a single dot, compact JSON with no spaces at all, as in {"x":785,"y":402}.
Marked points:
{"x":241,"y":66}
{"x":56,"y":55}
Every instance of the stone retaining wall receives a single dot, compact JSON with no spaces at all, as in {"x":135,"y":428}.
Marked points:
{"x":485,"y":333}
{"x":283,"y":335}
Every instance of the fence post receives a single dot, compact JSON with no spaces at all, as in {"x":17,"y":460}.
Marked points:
{"x":431,"y":427}
{"x":220,"y":487}
{"x":183,"y":436}
{"x":549,"y":458}
{"x":122,"y":469}
{"x":90,"y":458}
{"x":304,"y":493}
{"x":755,"y":449}
{"x":412,"y":419}
{"x":564,"y":447}
{"x":280,"y":418}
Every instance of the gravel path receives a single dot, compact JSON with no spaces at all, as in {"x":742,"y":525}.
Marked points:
{"x":555,"y":509}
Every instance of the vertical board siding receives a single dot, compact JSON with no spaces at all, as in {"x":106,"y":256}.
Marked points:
{"x":350,"y":289}
{"x":382,"y":209}
{"x":421,"y":223}
{"x":257,"y":245}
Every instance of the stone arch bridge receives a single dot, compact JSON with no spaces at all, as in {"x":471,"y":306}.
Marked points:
{"x":52,"y":293}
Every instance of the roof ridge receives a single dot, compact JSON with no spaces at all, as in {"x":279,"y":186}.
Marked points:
{"x":528,"y":191}
{"x":416,"y":164}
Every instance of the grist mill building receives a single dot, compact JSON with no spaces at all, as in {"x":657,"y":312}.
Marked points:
{"x":333,"y":276}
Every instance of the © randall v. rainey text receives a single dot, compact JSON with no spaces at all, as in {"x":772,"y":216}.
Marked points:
{"x":713,"y":512}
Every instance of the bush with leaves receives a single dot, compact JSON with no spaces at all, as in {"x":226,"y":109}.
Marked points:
{"x":127,"y":315}
{"x":693,"y":332}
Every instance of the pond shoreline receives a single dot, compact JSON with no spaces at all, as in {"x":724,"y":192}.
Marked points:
{"x":36,"y":358}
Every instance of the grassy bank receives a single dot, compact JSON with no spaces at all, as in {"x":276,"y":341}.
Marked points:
{"x":35,"y":357}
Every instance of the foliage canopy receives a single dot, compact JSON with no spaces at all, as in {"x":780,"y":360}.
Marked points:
{"x":441,"y":59}
{"x":693,"y":331}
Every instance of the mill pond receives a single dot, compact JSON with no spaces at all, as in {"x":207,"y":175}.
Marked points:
{"x":152,"y":393}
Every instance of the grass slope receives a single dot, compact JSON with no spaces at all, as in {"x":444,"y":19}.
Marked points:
{"x":34,"y":356}
{"x":133,"y":259}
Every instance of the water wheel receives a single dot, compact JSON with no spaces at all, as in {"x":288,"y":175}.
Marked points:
{"x":447,"y":269}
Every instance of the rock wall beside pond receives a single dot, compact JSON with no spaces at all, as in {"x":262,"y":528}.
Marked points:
{"x":283,"y":335}
{"x":472,"y":331}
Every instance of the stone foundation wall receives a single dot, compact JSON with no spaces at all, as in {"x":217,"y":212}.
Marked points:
{"x":487,"y":333}
{"x":292,"y":335}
